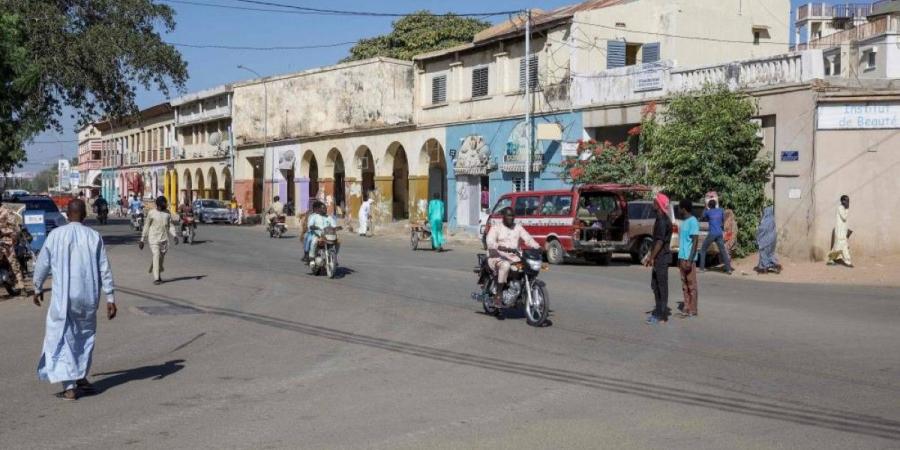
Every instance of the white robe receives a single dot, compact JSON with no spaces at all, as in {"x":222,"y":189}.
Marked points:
{"x":841,"y":249}
{"x":75,"y":255}
{"x":365,"y":210}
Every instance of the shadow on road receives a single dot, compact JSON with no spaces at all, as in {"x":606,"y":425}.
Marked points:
{"x":188,"y":278}
{"x":121,"y":239}
{"x":738,"y":403}
{"x":157,"y":372}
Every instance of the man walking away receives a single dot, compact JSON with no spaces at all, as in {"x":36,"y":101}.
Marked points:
{"x":659,"y":259}
{"x":157,"y":230}
{"x":716,"y":218}
{"x":75,"y":256}
{"x":436,"y":220}
{"x":688,"y":237}
{"x":840,"y":251}
{"x":9,"y":238}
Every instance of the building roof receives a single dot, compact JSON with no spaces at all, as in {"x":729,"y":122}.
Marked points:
{"x":539,"y":20}
{"x":378,"y":59}
{"x":885,"y":7}
{"x":144,"y":114}
{"x":206,"y":93}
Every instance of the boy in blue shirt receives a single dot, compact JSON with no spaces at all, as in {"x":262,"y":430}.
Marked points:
{"x":688,"y":237}
{"x":716,"y":218}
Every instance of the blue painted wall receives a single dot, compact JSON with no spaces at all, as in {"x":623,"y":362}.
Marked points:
{"x":496,"y":134}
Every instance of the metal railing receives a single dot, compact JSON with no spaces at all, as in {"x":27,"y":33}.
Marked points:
{"x":862,"y":32}
{"x":841,"y":11}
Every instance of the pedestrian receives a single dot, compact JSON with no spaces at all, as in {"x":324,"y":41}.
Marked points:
{"x":485,"y":197}
{"x":75,"y":257}
{"x":766,"y":241}
{"x":9,"y":239}
{"x":688,"y":237}
{"x":840,"y":251}
{"x":659,"y":259}
{"x":716,"y":218}
{"x":365,"y":215}
{"x":436,"y":219}
{"x":157,"y":230}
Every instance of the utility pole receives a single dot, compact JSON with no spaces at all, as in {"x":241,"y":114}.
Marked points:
{"x":265,"y":132}
{"x":528,"y":102}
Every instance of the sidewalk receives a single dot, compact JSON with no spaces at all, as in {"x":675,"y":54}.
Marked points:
{"x":868,"y":272}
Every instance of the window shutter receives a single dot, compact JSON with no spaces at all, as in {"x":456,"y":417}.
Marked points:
{"x":439,"y":90}
{"x":651,"y":52}
{"x":480,"y":82}
{"x":533,"y":72}
{"x":615,"y":54}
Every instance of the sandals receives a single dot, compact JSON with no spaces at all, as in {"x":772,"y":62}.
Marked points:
{"x":67,"y":395}
{"x":85,"y":386}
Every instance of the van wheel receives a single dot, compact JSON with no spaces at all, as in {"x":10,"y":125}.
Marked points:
{"x":644,"y":247}
{"x":555,"y":252}
{"x":604,"y":259}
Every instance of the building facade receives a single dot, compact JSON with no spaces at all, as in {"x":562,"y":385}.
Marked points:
{"x":339,"y":134}
{"x":201,"y":162}
{"x":135,"y":153}
{"x":90,"y":161}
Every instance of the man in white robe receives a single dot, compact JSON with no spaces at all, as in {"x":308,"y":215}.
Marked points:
{"x":365,"y":214}
{"x":75,"y":256}
{"x":841,"y":249}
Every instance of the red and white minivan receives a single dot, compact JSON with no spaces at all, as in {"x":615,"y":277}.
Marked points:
{"x":588,"y":221}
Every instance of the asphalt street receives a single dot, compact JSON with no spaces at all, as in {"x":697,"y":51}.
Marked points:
{"x":241,"y":348}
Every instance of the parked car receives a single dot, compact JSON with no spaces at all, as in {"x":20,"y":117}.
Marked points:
{"x":589,"y":221}
{"x":13,"y":195}
{"x":641,"y":217}
{"x":210,"y":211}
{"x":40,"y":216}
{"x":712,"y":253}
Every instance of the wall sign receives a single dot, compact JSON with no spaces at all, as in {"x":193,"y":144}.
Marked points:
{"x":569,"y":149}
{"x":790,"y":156}
{"x":649,"y":78}
{"x":855,"y":116}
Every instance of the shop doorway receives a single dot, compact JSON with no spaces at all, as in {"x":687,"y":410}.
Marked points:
{"x":400,"y":201}
{"x":256,"y":163}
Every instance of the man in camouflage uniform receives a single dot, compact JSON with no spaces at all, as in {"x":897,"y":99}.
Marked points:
{"x":9,"y":235}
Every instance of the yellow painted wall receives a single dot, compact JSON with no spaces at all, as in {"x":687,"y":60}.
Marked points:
{"x":418,"y":198}
{"x":384,"y":196}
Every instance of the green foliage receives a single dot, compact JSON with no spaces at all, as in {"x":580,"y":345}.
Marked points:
{"x":418,"y":33}
{"x":705,"y":141}
{"x":602,"y":163}
{"x":89,"y":55}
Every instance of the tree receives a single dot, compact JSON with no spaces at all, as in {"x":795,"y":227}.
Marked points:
{"x":602,"y":163}
{"x":705,"y":141}
{"x":420,"y":32}
{"x":89,"y":55}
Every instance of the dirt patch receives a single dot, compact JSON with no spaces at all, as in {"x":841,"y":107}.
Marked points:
{"x":868,"y":271}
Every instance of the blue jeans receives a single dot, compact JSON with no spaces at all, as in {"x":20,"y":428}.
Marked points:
{"x":308,"y":241}
{"x":723,"y":251}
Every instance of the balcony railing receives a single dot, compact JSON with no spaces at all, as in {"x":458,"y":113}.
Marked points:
{"x":207,"y":115}
{"x":826,"y":11}
{"x":651,"y":81}
{"x":859,"y":33}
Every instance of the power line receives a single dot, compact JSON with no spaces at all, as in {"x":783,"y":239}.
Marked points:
{"x":241,"y":8}
{"x":371,"y":13}
{"x":233,"y":47}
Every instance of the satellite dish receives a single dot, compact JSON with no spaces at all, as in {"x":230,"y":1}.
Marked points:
{"x":215,"y":139}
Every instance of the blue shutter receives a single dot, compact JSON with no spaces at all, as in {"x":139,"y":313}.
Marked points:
{"x":651,"y":52}
{"x":615,"y":54}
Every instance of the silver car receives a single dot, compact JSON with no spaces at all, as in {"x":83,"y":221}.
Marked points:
{"x":211,"y":211}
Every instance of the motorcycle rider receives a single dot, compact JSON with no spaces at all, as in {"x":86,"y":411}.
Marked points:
{"x":275,"y":211}
{"x":315,"y":225}
{"x":502,"y":243}
{"x":135,"y":207}
{"x":9,"y":237}
{"x":99,"y":204}
{"x":185,"y":210}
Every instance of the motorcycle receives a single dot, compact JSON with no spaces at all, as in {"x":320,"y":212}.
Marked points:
{"x":102,"y":214}
{"x":188,"y":228}
{"x":277,"y":227}
{"x":523,"y":289}
{"x":325,"y":258}
{"x":137,"y":221}
{"x":23,"y":255}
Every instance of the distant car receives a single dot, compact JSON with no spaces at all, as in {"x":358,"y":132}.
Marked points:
{"x":13,"y":195}
{"x":698,"y":209}
{"x":211,"y":211}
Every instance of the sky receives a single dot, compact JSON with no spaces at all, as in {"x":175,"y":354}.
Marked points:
{"x":208,"y":67}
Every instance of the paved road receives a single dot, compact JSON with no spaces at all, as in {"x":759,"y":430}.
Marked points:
{"x":243,"y":349}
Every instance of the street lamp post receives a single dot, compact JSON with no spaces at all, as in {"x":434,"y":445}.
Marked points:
{"x":265,"y":130}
